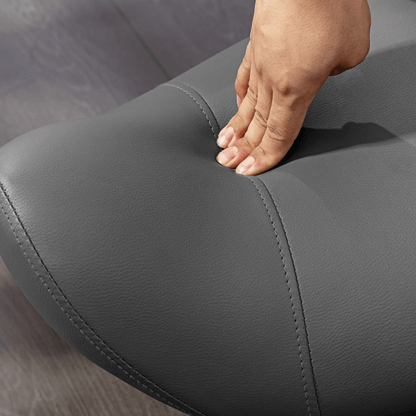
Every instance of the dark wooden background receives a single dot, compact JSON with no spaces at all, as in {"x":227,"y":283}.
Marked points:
{"x":68,"y":59}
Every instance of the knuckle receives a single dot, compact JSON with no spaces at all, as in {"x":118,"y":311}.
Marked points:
{"x":285,"y":88}
{"x":260,"y":119}
{"x":246,"y":143}
{"x":251,"y":94}
{"x":243,"y":72}
{"x":244,"y":69}
{"x":285,"y":83}
{"x":276,"y":131}
{"x":258,"y":66}
{"x":240,"y":86}
{"x":261,"y":152}
{"x":288,"y":88}
{"x":238,"y":121}
{"x":246,"y":63}
{"x":296,"y":83}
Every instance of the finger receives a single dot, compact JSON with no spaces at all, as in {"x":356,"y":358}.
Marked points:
{"x":257,"y":128}
{"x":238,"y":101}
{"x":243,"y":74}
{"x":239,"y":123}
{"x":241,"y":86}
{"x":283,"y":126}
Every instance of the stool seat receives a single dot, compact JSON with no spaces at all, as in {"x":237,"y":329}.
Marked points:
{"x":288,"y":293}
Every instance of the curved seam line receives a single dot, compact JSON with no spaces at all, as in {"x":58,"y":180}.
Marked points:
{"x":300,"y":297}
{"x":82,"y":320}
{"x":290,"y":294}
{"x":205,"y":101}
{"x":281,"y":254}
{"x":199,"y":105}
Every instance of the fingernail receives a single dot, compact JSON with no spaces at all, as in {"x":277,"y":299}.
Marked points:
{"x":225,"y":136}
{"x":226,"y":155}
{"x":244,"y":166}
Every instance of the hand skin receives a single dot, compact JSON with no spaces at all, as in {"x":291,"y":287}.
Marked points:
{"x":294,"y":46}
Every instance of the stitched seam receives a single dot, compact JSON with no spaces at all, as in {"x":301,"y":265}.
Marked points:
{"x":199,"y":105}
{"x":281,"y":254}
{"x":290,"y":294}
{"x":301,"y":304}
{"x":80,"y":318}
{"x":205,"y":101}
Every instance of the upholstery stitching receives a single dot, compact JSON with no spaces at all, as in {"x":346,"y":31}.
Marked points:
{"x":80,"y":318}
{"x":199,"y":105}
{"x":281,"y":254}
{"x":301,"y":304}
{"x":290,"y":293}
{"x":212,"y":112}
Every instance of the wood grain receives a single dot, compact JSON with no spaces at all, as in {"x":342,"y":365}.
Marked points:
{"x":184,"y":33}
{"x":67,"y":59}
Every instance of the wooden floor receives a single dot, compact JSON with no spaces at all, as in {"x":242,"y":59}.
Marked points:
{"x":68,"y":59}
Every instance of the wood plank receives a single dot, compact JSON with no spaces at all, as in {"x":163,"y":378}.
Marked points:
{"x":183,"y":33}
{"x":67,"y":59}
{"x":42,"y":375}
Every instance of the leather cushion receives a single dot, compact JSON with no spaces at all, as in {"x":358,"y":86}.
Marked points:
{"x":291,"y":292}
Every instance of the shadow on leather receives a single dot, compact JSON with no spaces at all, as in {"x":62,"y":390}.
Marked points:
{"x":361,"y":108}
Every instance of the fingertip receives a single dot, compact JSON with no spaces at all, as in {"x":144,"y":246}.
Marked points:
{"x":262,"y":161}
{"x":225,"y":137}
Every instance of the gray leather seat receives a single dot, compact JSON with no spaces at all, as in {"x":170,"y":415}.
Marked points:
{"x":288,"y":293}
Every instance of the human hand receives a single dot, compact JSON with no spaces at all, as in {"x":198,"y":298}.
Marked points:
{"x":294,"y":46}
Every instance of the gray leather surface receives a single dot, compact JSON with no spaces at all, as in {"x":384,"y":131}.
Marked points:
{"x":289,"y":293}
